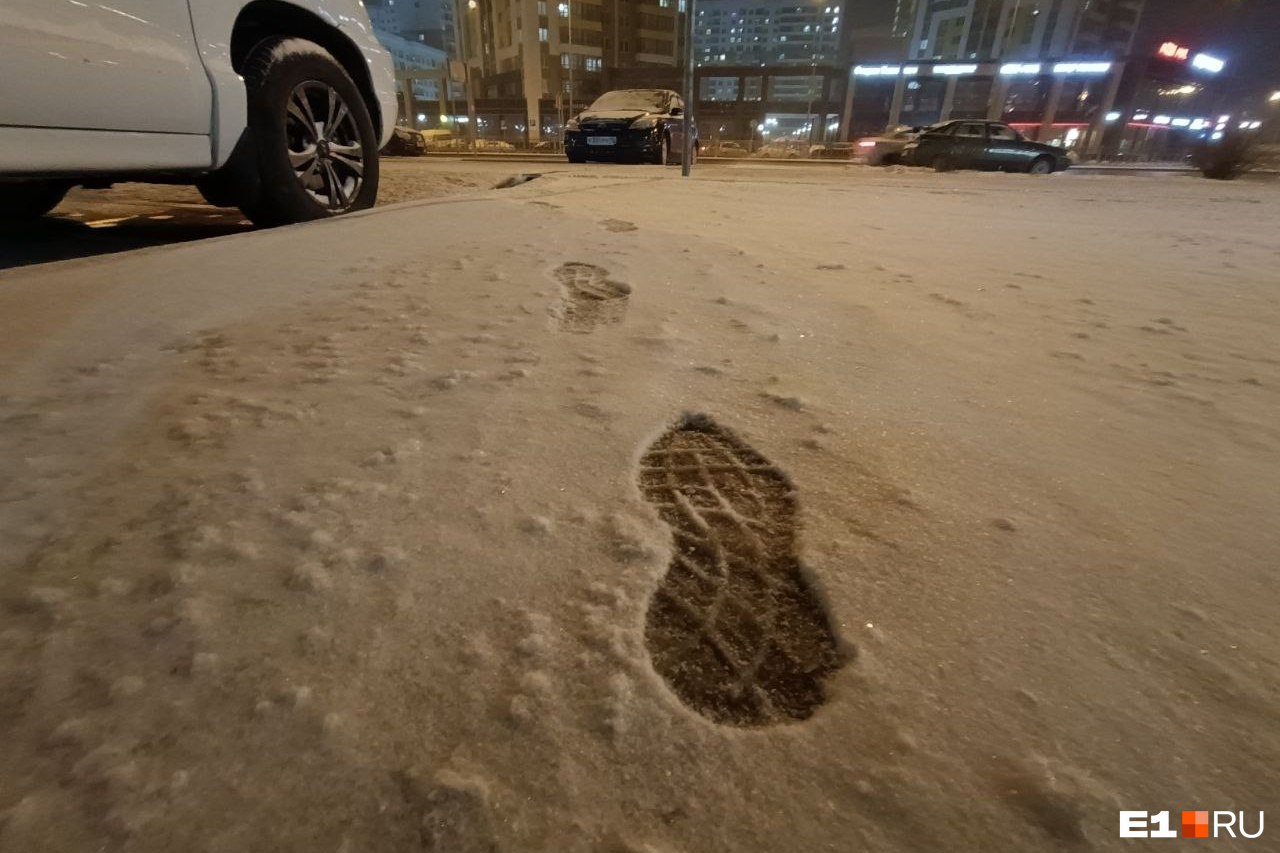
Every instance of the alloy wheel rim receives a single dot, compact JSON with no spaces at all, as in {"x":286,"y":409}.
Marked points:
{"x":324,"y":145}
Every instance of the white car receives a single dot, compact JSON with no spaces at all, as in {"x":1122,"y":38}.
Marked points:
{"x":886,"y":149}
{"x":278,"y":107}
{"x":783,"y":149}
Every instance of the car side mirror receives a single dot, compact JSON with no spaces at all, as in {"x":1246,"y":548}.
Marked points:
{"x":676,"y":112}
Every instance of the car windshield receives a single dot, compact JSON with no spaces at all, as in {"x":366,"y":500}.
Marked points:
{"x":649,"y":100}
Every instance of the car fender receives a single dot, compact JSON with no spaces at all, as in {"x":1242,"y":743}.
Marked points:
{"x":213,"y":24}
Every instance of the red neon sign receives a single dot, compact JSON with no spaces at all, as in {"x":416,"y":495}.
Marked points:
{"x":1173,"y":50}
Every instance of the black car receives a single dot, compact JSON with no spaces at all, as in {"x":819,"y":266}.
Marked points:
{"x":405,"y":143}
{"x":983,"y":145}
{"x":630,"y":124}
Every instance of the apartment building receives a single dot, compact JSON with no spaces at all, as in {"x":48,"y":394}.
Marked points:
{"x":767,"y":32}
{"x":1017,"y":29}
{"x":534,"y":61}
{"x":429,"y":22}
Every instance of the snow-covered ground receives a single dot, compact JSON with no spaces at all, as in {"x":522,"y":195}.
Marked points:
{"x":771,"y":511}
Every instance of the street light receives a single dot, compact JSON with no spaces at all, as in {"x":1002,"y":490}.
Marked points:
{"x":464,"y":37}
{"x":686,"y":158}
{"x":813,"y":69}
{"x":566,"y":9}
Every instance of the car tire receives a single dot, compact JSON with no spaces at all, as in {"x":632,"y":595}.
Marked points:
{"x":312,"y":165}
{"x":576,"y":158}
{"x":1040,"y":166}
{"x":662,"y":156}
{"x":26,"y":200}
{"x":942,"y":163}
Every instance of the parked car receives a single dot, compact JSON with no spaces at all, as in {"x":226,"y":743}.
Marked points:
{"x":783,"y":149}
{"x":447,"y":143}
{"x":277,"y":108}
{"x":836,"y":151}
{"x":644,"y":124}
{"x":405,"y":143}
{"x":983,"y":145}
{"x":730,"y":149}
{"x":886,"y":149}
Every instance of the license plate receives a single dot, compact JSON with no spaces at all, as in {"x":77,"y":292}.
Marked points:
{"x":602,"y":140}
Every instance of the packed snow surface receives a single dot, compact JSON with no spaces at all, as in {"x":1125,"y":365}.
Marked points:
{"x":775,"y":511}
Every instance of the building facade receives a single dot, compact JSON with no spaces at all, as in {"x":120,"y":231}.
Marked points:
{"x":1017,"y":29}
{"x":429,"y":22}
{"x":426,"y":66}
{"x":770,"y":68}
{"x":535,"y":62}
{"x":418,"y":34}
{"x":767,"y":32}
{"x":1052,"y":68}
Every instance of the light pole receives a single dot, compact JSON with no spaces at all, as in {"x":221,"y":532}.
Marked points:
{"x":813,"y":72}
{"x":569,"y":13}
{"x":686,"y":157}
{"x":565,"y":10}
{"x":464,"y":40}
{"x":808,"y":110}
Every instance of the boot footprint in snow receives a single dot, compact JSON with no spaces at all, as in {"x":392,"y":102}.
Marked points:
{"x":734,"y":628}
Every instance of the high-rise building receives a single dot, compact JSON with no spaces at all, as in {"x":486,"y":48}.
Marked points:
{"x":429,"y":22}
{"x":418,"y":35}
{"x":1017,"y":29}
{"x":767,"y":32}
{"x":426,"y":65}
{"x":1107,"y":27}
{"x":556,"y":55}
{"x":773,"y":67}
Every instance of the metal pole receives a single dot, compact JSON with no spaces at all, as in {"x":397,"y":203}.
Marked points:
{"x":808,"y":110}
{"x":569,"y":6}
{"x":466,"y":73}
{"x":686,"y":158}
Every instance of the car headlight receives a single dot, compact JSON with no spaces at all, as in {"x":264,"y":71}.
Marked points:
{"x":572,"y":124}
{"x":645,"y":123}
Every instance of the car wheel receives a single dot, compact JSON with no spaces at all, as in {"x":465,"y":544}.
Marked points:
{"x":890,"y":160}
{"x":314,"y":142}
{"x":576,"y":158}
{"x":942,"y":163}
{"x":663,"y":155}
{"x":1041,"y":166}
{"x":29,"y":199}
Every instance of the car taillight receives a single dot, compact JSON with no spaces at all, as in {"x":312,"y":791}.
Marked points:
{"x":866,"y":143}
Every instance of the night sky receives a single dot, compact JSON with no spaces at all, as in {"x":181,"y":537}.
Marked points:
{"x":1246,"y":33}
